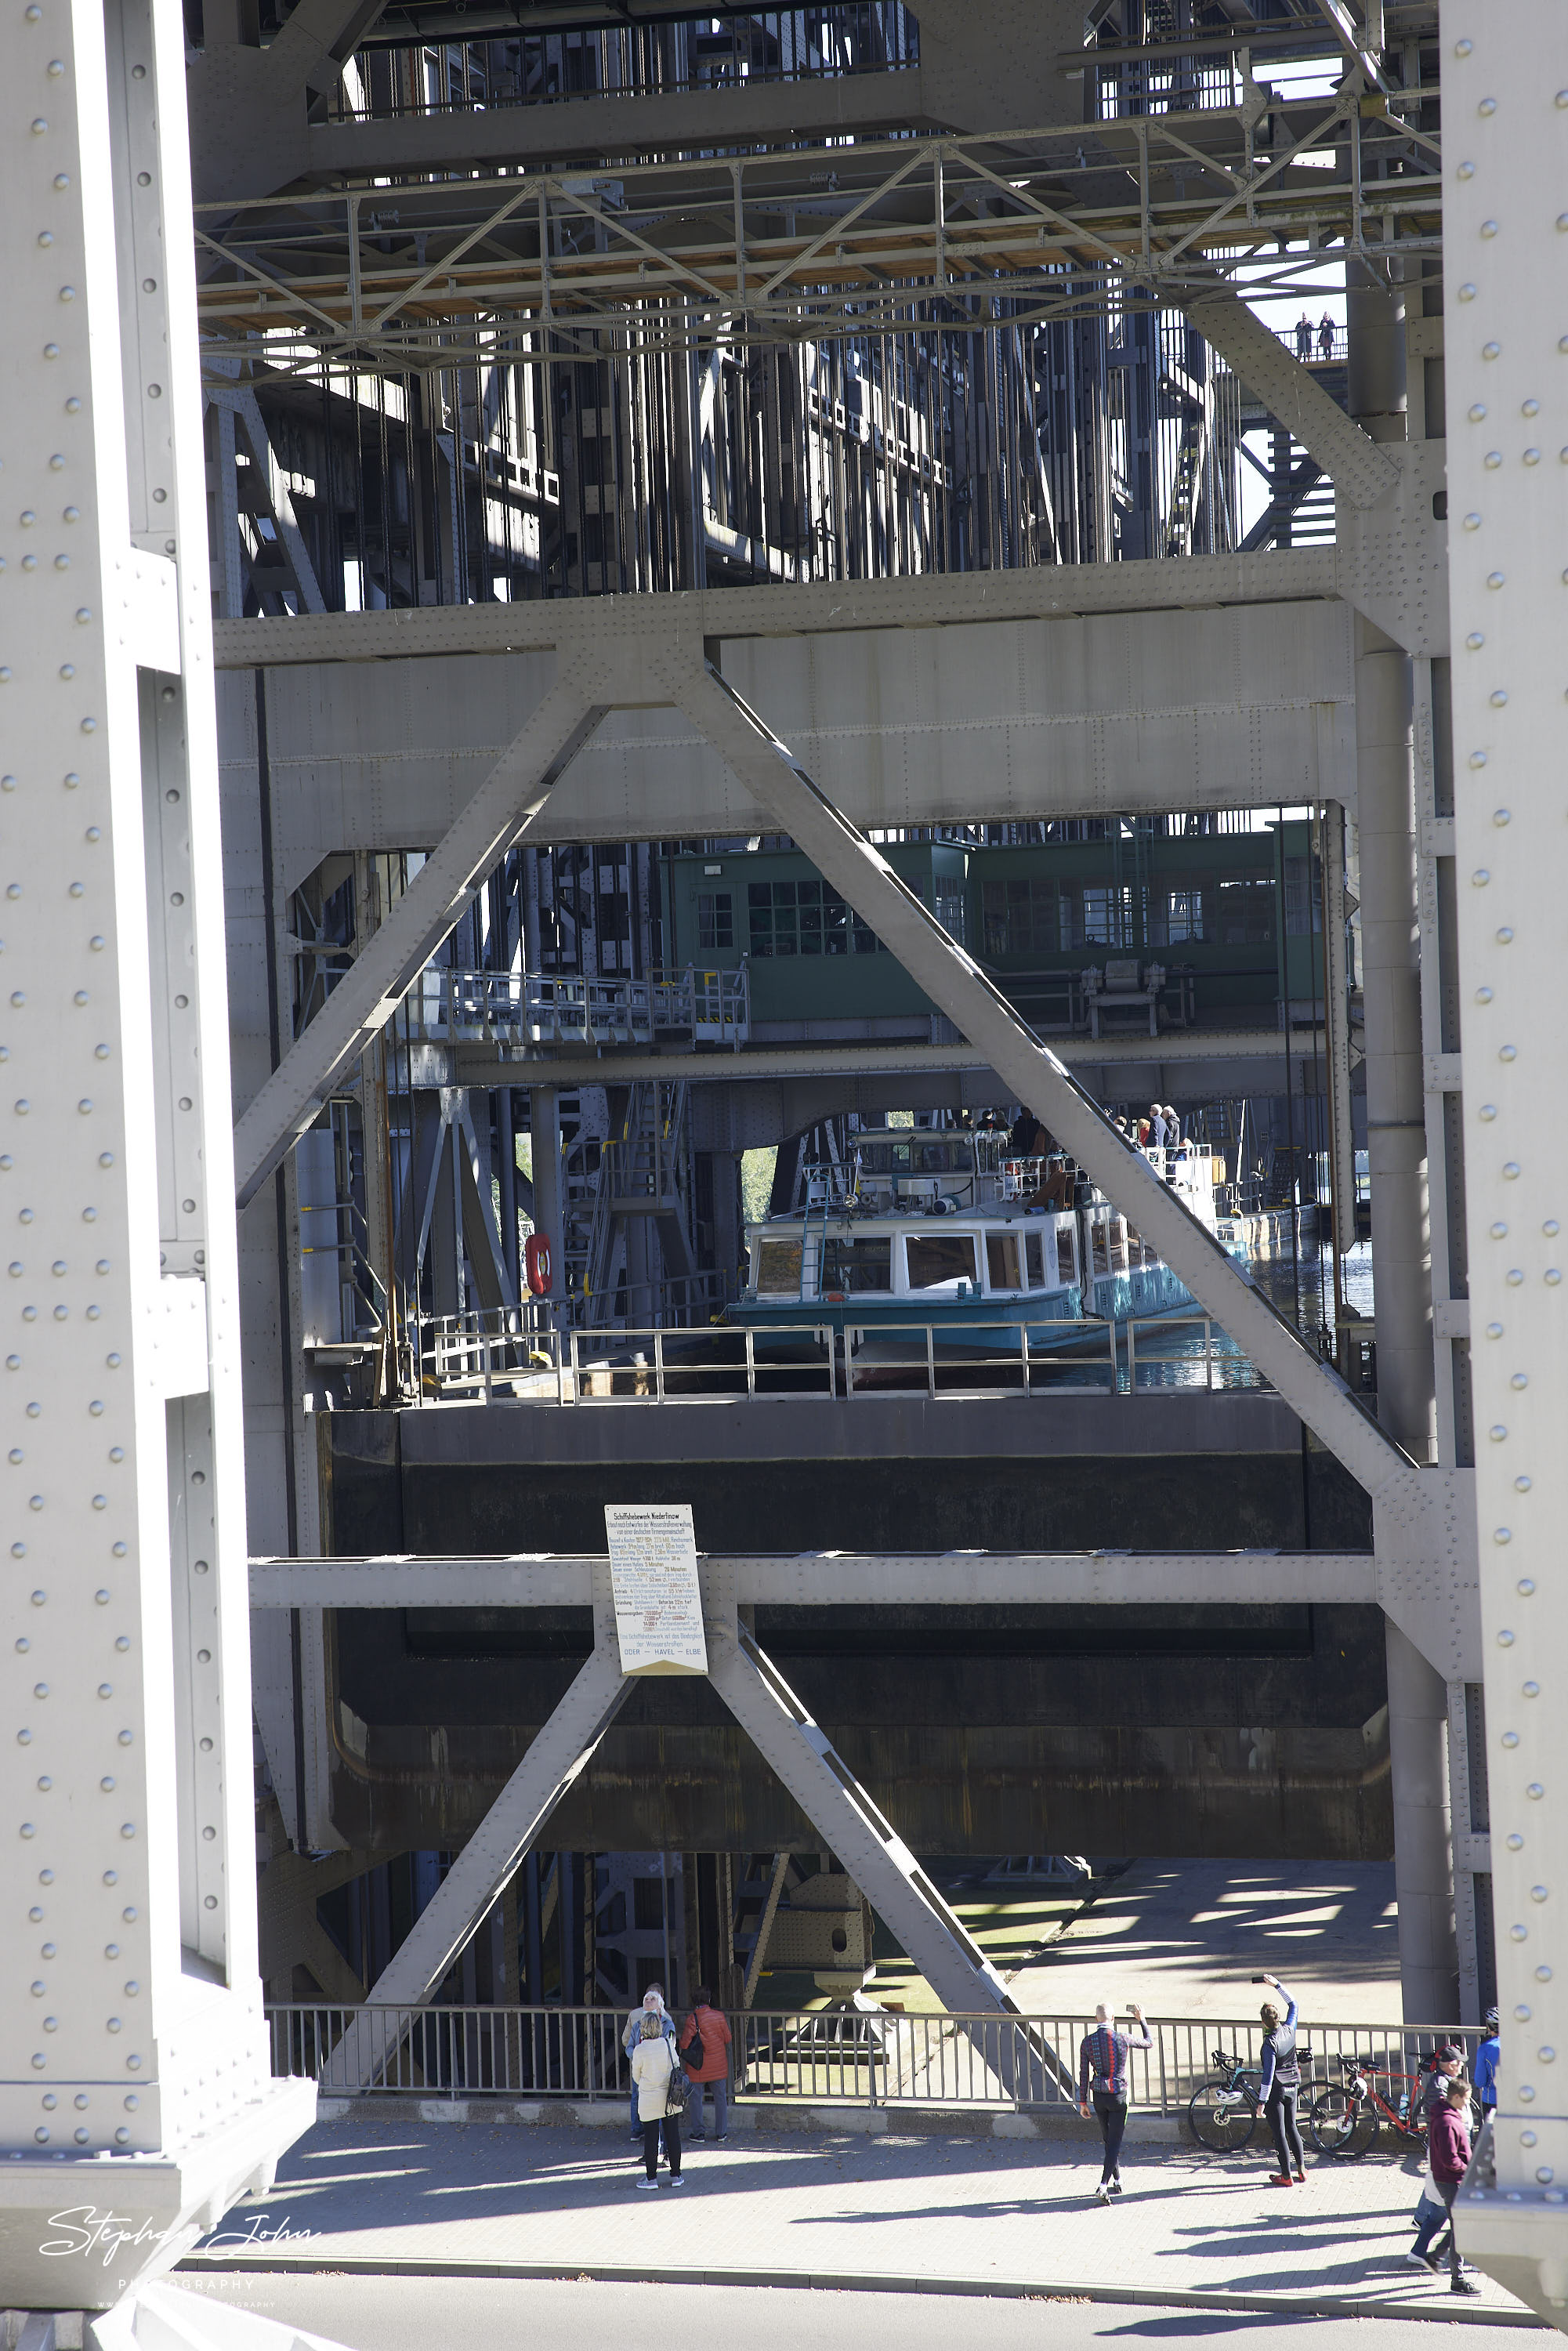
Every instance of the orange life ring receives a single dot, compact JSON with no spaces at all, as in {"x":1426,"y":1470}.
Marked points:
{"x":537,"y":1263}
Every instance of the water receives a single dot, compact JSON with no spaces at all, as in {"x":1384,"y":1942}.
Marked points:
{"x":1176,"y":1356}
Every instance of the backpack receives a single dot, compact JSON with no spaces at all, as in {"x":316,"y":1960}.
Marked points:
{"x":691,"y":2056}
{"x":677,"y":2091}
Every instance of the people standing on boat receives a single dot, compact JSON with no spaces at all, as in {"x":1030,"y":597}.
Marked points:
{"x":1104,"y":2086}
{"x":1028,"y":1139}
{"x":1156,"y":1126}
{"x":1173,"y":1128}
{"x":1280,"y":2081}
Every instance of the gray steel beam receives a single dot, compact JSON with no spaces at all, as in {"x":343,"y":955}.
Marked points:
{"x":560,"y":1753}
{"x":501,"y":810}
{"x":930,"y":599}
{"x":481,"y":1066}
{"x":876,"y":1857}
{"x":836,"y":1579}
{"x":954,"y":982}
{"x":1361,"y":471}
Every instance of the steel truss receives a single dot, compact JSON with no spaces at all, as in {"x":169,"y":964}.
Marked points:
{"x":932,"y":232}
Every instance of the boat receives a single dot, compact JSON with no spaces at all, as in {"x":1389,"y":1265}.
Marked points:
{"x":993,"y":1250}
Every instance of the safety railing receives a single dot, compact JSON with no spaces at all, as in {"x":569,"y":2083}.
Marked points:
{"x":864,"y":2056}
{"x":523,"y":1012}
{"x":1037,"y":1357}
{"x":511,"y":1352}
{"x":656,"y":1366}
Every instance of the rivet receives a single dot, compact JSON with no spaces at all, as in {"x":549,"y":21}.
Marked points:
{"x":1491,"y":350}
{"x":1463,"y":48}
{"x":1538,"y":1893}
{"x":1488,"y":1111}
{"x":1501,"y":816}
{"x":1481,"y":877}
{"x":1553,"y":1276}
{"x":1508,"y":1052}
{"x":1488,"y":228}
{"x":1478,"y":407}
{"x":1495,"y":579}
{"x":1511,"y":1170}
{"x":1483,"y":996}
{"x":1492,"y":460}
{"x":1531,"y":1690}
{"x":1535,"y":1791}
{"x":1533,"y":456}
{"x":1504,"y":937}
{"x":1473,"y":522}
{"x":1505,"y":1640}
{"x":1513,"y":1277}
{"x":1520,"y":1379}
{"x":1510,"y":1738}
{"x":1525,"y":1587}
{"x":1496,"y":1433}
{"x":1502,"y":1534}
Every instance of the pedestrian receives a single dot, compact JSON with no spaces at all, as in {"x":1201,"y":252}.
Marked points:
{"x":1157,"y":1137}
{"x":1278,"y":2089}
{"x":711,"y":2071}
{"x":1443,"y":2067}
{"x":1325,"y":337}
{"x":653,"y":2001}
{"x":1303,"y":337}
{"x":1103,"y":2084}
{"x":1449,"y":2147}
{"x":1487,"y":2057}
{"x":653,"y":2062}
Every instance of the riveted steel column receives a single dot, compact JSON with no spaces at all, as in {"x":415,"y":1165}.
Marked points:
{"x":132,"y":2039}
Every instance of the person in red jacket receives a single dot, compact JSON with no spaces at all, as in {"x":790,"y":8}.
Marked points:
{"x":712,"y":2029}
{"x":1449,"y":2146}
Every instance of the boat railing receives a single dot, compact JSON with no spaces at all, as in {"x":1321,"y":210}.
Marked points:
{"x":1030,"y":1358}
{"x":513,"y":1359}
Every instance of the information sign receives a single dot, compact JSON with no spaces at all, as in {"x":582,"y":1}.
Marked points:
{"x":658,"y":1598}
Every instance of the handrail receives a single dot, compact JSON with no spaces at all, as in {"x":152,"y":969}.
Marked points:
{"x":741,"y":1362}
{"x":861,"y":2054}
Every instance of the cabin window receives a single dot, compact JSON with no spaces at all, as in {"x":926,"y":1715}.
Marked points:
{"x":936,"y":1257}
{"x":1002,"y":1261}
{"x":779,"y":1266}
{"x":1099,"y":1241}
{"x":858,"y":1264}
{"x":1117,"y":1231}
{"x":1034,"y":1258}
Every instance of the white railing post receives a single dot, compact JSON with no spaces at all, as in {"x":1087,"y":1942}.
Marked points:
{"x":931,"y":1362}
{"x":750,"y":1361}
{"x":659,"y":1365}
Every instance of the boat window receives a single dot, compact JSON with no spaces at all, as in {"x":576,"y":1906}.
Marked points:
{"x":858,"y":1264}
{"x":931,"y":1158}
{"x":1002,"y":1261}
{"x":1099,"y":1238}
{"x":779,"y":1266}
{"x":1034,"y":1258}
{"x":901,"y":1159}
{"x":936,"y":1257}
{"x":1118,"y":1234}
{"x":875,"y":1158}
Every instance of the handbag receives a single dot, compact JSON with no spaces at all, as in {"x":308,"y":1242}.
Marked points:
{"x":691,"y":2056}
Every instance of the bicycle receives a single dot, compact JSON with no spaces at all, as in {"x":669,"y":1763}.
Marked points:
{"x":1345,"y":2119}
{"x":1223,"y":2114}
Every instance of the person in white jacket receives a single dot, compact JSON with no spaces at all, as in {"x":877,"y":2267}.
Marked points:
{"x":653,"y":2062}
{"x":631,"y":2032}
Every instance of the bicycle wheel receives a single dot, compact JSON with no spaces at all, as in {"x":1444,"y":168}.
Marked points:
{"x":1340,"y":2125}
{"x":1222,"y":2120}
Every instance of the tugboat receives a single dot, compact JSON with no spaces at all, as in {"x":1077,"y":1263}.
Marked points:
{"x":955,"y":1230}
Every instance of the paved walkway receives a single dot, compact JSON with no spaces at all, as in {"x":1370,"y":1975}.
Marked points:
{"x":790,"y":2208}
{"x":1185,"y":1939}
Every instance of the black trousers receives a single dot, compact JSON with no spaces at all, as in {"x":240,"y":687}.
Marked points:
{"x":1111,"y":2114}
{"x":1281,"y":2112}
{"x":671,"y":2127}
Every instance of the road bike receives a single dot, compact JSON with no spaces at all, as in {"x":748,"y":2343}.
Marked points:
{"x":1223,"y":2114}
{"x":1344,"y":2120}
